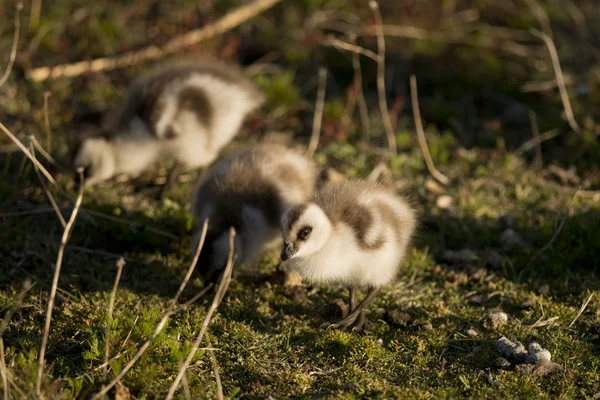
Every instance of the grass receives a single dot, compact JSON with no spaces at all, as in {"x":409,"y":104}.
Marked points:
{"x":266,"y":336}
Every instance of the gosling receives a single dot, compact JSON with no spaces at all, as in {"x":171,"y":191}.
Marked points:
{"x":184,"y":112}
{"x":249,"y":191}
{"x":353,"y":232}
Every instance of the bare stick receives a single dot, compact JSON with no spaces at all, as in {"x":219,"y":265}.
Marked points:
{"x":44,"y":153}
{"x":186,"y":388}
{"x":47,"y":121}
{"x":59,"y":259}
{"x":318,"y":115}
{"x":224,"y":24}
{"x":111,"y":304}
{"x":383,"y":108}
{"x":215,"y":366}
{"x":421,"y":134}
{"x":536,"y":141}
{"x":581,"y":310}
{"x":27,"y":153}
{"x":358,"y":87}
{"x":564,"y":95}
{"x":15,"y":44}
{"x":536,"y":135}
{"x":213,"y":307}
{"x":351,"y":47}
{"x":45,"y":187}
{"x":172,"y":309}
{"x":556,"y":232}
{"x":4,"y":372}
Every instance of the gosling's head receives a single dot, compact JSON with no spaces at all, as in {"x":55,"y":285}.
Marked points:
{"x":95,"y":155}
{"x":305,"y":229}
{"x":214,"y":254}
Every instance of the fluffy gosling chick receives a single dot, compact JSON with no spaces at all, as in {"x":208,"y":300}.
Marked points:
{"x":249,"y":191}
{"x":186,"y":112}
{"x":352,"y":232}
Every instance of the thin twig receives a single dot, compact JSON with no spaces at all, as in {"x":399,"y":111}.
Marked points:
{"x":172,"y":309}
{"x":27,"y":153}
{"x":15,"y":44}
{"x":215,"y":304}
{"x":360,"y":96}
{"x":131,"y":224}
{"x":383,"y":107}
{"x":47,"y":122}
{"x":44,"y":153}
{"x":582,"y":309}
{"x":46,"y":190}
{"x":111,"y":304}
{"x":421,"y":134}
{"x":564,"y":95}
{"x":351,"y":47}
{"x":215,"y":366}
{"x":4,"y":371}
{"x":536,"y":136}
{"x":556,"y":232}
{"x":224,"y":24}
{"x":318,"y":115}
{"x":59,"y":259}
{"x":535,"y":141}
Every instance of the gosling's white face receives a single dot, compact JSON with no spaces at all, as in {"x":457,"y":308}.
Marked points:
{"x":96,"y":157}
{"x":306,"y":230}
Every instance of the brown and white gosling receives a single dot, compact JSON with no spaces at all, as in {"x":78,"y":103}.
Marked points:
{"x":249,"y":191}
{"x":185,"y":112}
{"x":353,"y":232}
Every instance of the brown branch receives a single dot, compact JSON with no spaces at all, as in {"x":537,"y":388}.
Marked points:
{"x":536,"y":135}
{"x":535,"y":141}
{"x":111,"y":304}
{"x":383,"y":108}
{"x":358,"y":87}
{"x":59,"y":259}
{"x":47,"y":121}
{"x":421,"y":134}
{"x":224,"y":24}
{"x":318,"y":115}
{"x":215,"y":304}
{"x":340,"y":44}
{"x":15,"y":44}
{"x":564,"y":95}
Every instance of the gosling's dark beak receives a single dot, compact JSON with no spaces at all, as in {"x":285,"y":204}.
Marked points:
{"x":288,"y":251}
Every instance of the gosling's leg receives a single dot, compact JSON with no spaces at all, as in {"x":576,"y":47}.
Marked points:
{"x":351,"y":318}
{"x":171,"y":179}
{"x":353,"y":302}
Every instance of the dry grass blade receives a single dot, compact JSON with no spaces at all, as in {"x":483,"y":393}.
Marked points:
{"x":111,"y":304}
{"x":360,"y":95}
{"x":536,"y":141}
{"x":560,"y":79}
{"x":213,"y":307}
{"x":215,"y":366}
{"x":26,"y":287}
{"x":351,"y":47}
{"x":4,"y":371}
{"x":582,"y":309}
{"x":46,"y":190}
{"x":44,"y":153}
{"x":27,"y":153}
{"x":318,"y":115}
{"x":172,"y":309}
{"x":131,"y":224}
{"x":536,"y":135}
{"x":383,"y":108}
{"x":542,"y":16}
{"x":186,"y":388}
{"x":47,"y":121}
{"x":15,"y":44}
{"x":59,"y":259}
{"x":224,"y":24}
{"x":421,"y":134}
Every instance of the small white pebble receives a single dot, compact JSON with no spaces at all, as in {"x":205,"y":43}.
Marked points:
{"x":444,"y":201}
{"x":472,"y":332}
{"x":380,"y":341}
{"x":538,"y":355}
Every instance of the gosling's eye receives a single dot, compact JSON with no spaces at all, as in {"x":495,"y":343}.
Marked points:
{"x":304,"y":233}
